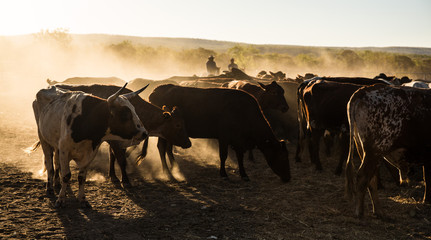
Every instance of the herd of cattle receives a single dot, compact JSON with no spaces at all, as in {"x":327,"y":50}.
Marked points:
{"x":381,"y":120}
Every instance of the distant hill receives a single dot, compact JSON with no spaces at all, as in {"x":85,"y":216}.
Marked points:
{"x":187,"y":43}
{"x":190,"y":43}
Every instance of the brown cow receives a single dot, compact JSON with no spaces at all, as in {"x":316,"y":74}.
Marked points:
{"x":138,"y":83}
{"x":322,"y":104}
{"x":277,"y":76}
{"x":232,"y":117}
{"x":269,"y":96}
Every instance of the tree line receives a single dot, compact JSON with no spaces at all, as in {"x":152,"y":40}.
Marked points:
{"x":252,"y":58}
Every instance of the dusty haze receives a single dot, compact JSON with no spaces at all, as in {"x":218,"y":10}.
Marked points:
{"x":203,"y":206}
{"x":26,"y":65}
{"x":24,"y":69}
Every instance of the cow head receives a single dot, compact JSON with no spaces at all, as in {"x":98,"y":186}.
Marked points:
{"x":174,"y":128}
{"x":123,"y":120}
{"x":273,"y":97}
{"x":277,"y":157}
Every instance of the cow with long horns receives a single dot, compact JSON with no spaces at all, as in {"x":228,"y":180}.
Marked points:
{"x":73,"y":125}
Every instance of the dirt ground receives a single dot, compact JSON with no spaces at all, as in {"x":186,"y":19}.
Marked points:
{"x":198,"y":205}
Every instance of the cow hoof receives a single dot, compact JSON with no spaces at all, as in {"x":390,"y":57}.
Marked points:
{"x":245,"y":178}
{"x":126,"y":184}
{"x":60,"y":203}
{"x":115,"y":180}
{"x":57,"y":187}
{"x":382,"y":217}
{"x":50,"y":192}
{"x":84,"y":204}
{"x":359,"y":214}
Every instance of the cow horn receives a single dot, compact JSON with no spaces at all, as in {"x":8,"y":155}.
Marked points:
{"x":111,"y":99}
{"x":132,"y":94}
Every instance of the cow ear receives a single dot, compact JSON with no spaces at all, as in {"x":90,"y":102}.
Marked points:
{"x":165,"y":108}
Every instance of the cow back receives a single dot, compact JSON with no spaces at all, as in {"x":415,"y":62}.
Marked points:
{"x":169,"y":125}
{"x":213,"y":111}
{"x":326,"y":103}
{"x":356,"y":80}
{"x":94,"y":80}
{"x":388,"y":117}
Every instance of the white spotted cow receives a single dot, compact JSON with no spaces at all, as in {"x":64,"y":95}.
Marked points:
{"x":73,"y":124}
{"x":417,"y":84}
{"x":387,"y":123}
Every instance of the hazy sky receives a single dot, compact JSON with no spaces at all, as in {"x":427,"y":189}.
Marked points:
{"x":302,"y":22}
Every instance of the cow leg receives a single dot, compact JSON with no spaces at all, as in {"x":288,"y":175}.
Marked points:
{"x":223,"y":150}
{"x":314,"y":148}
{"x":170,"y":154}
{"x":65,"y":178}
{"x":427,"y":181}
{"x":162,"y":146}
{"x":122,"y":161}
{"x":298,"y":151}
{"x":48,"y":153}
{"x":379,"y":179}
{"x":328,"y":139}
{"x":112,"y":158}
{"x":300,"y":145}
{"x":372,"y":190}
{"x":120,"y":155}
{"x":57,"y":167}
{"x":82,"y":176}
{"x":250,"y":155}
{"x":365,"y":173}
{"x":349,"y":175}
{"x":240,"y":159}
{"x":344,"y":142}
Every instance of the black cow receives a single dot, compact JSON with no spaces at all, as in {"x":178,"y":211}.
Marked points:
{"x":232,"y":117}
{"x":269,"y":96}
{"x":322,"y":104}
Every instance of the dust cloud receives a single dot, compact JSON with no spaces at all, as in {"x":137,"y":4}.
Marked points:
{"x":25,"y":65}
{"x":27,"y":62}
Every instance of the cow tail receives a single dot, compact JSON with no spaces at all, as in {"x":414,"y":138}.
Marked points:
{"x":143,"y":153}
{"x":300,"y":115}
{"x":349,"y":184}
{"x":32,"y":148}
